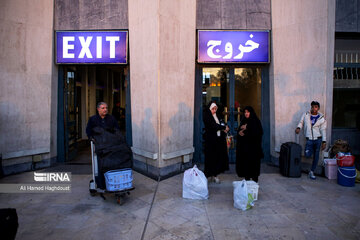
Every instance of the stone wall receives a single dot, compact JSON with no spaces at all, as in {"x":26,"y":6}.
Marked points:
{"x":26,"y":67}
{"x":90,"y":14}
{"x":162,"y":72}
{"x":233,"y":14}
{"x":301,"y":64}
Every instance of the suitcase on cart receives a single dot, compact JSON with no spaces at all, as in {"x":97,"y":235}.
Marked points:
{"x":290,"y":159}
{"x":118,"y":181}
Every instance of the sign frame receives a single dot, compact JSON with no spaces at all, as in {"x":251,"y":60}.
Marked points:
{"x":92,"y":31}
{"x":232,"y":62}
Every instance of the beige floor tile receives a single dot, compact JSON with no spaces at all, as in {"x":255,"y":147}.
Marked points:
{"x":288,"y":208}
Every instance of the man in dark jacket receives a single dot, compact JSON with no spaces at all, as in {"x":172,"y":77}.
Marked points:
{"x":101,"y":119}
{"x":111,"y":149}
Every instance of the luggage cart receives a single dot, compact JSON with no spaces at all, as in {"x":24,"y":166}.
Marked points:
{"x":93,"y":189}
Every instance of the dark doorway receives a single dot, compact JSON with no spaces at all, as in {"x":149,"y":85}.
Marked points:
{"x":80,"y":89}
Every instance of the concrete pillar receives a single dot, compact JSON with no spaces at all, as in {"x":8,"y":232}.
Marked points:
{"x":301,"y":64}
{"x":26,"y":73}
{"x":162,"y":66}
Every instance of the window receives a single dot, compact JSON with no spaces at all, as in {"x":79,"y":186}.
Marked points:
{"x":346,"y":75}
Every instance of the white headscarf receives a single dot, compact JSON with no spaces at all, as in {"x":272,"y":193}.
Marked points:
{"x":215,"y":117}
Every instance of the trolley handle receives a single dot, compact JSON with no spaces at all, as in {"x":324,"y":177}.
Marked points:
{"x":93,"y":160}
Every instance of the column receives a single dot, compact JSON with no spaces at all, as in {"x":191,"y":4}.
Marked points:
{"x":301,"y":64}
{"x":162,"y":50}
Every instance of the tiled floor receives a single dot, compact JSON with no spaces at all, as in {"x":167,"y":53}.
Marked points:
{"x":287,"y":208}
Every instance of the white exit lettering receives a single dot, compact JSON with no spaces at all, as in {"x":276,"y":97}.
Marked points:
{"x":85,"y":52}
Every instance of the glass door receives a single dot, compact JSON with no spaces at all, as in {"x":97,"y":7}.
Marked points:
{"x":71,"y":115}
{"x":232,"y":89}
{"x":247,"y":89}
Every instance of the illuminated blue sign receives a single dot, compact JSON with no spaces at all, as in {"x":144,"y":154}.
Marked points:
{"x":233,"y":46}
{"x":91,"y":47}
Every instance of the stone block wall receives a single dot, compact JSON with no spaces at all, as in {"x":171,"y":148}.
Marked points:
{"x":26,"y":68}
{"x":301,"y":65}
{"x":233,"y":14}
{"x":90,"y":14}
{"x":162,"y":72}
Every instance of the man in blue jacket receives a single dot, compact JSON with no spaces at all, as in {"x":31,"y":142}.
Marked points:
{"x":101,"y":119}
{"x":314,"y":124}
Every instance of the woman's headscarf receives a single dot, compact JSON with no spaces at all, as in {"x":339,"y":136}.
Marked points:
{"x":212,"y":105}
{"x":252,"y":112}
{"x":253,"y":118}
{"x":214,"y":115}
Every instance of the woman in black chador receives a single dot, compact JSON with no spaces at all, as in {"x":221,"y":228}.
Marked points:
{"x":248,"y":147}
{"x":216,"y":157}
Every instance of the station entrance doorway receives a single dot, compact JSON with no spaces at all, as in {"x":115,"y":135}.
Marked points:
{"x":232,"y":88}
{"x":80,"y":89}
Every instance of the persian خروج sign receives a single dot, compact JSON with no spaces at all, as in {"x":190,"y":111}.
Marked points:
{"x":75,"y":47}
{"x":233,"y":46}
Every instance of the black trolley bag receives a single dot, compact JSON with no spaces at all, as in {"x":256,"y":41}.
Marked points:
{"x":112,"y":153}
{"x":290,"y":159}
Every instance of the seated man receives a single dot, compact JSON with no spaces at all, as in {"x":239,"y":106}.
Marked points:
{"x":101,"y":119}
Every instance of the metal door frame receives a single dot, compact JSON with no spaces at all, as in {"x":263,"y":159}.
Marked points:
{"x":62,"y":132}
{"x":198,"y":110}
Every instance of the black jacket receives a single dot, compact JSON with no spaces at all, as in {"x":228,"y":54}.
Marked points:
{"x":108,"y":123}
{"x":216,"y":157}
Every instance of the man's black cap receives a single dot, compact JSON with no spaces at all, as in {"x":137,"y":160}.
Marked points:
{"x":315,"y":103}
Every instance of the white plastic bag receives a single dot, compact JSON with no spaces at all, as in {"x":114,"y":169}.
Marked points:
{"x":242,"y":199}
{"x":195,"y":184}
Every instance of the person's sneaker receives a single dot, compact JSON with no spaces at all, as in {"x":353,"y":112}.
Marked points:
{"x":311,"y":175}
{"x":217,"y":180}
